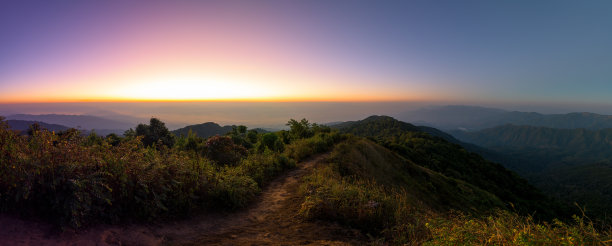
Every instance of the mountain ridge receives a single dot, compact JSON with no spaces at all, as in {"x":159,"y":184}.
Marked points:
{"x":473,"y":118}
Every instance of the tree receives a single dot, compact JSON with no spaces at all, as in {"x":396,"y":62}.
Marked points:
{"x":155,"y":133}
{"x":223,"y":151}
{"x":299,"y":129}
{"x":113,"y":139}
{"x":272,"y":142}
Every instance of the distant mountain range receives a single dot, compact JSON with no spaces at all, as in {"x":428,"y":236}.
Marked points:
{"x":543,"y":147}
{"x":471,"y":118}
{"x":100,"y":125}
{"x":24,"y":125}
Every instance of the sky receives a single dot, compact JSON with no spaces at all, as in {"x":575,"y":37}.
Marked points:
{"x":457,"y":52}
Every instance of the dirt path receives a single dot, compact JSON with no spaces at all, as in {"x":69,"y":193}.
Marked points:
{"x":270,"y":220}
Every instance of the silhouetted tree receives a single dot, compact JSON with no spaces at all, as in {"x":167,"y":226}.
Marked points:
{"x":299,"y":129}
{"x":113,"y":139}
{"x":155,"y":133}
{"x":223,"y":151}
{"x":33,"y":129}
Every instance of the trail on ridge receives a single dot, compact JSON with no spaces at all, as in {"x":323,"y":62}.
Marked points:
{"x":270,"y":220}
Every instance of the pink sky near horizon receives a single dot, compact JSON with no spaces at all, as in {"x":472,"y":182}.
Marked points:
{"x":187,"y":52}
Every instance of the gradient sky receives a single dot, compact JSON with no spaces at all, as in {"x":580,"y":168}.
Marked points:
{"x":451,"y":51}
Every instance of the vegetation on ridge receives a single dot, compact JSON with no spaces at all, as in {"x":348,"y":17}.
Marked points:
{"x":74,"y":180}
{"x":366,"y":186}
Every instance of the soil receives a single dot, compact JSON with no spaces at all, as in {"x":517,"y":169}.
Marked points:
{"x":271,"y":220}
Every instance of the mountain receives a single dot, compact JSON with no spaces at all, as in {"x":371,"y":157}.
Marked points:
{"x":209,"y":129}
{"x":570,"y":164}
{"x":204,"y":130}
{"x":543,"y":147}
{"x":589,"y":185}
{"x":473,"y":118}
{"x":86,"y":122}
{"x":449,"y":159}
{"x":24,"y":125}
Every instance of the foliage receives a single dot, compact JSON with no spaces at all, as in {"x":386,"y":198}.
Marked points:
{"x":453,"y":161}
{"x":224,"y":151}
{"x":299,"y":129}
{"x":301,"y":149}
{"x":573,"y":165}
{"x":74,"y":180}
{"x":368,"y":187}
{"x":155,"y":133}
{"x":272,"y":142}
{"x":507,"y":228}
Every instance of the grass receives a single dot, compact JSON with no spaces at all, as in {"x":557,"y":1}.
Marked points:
{"x":508,"y":228}
{"x":75,"y":181}
{"x":364,"y":186}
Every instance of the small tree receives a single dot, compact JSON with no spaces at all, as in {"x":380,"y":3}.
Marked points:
{"x":272,"y":142}
{"x":155,"y":132}
{"x":299,"y":129}
{"x":223,"y":151}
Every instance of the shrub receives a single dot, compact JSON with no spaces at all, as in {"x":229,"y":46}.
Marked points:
{"x":303,"y":148}
{"x":224,"y":151}
{"x":233,"y":189}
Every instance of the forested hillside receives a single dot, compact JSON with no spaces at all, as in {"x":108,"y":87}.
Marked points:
{"x":451,"y":160}
{"x":570,"y":164}
{"x":367,"y":186}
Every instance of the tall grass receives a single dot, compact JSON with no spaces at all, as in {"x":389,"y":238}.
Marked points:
{"x":73,"y":181}
{"x":339,"y":191}
{"x":301,"y":149}
{"x":508,"y":228}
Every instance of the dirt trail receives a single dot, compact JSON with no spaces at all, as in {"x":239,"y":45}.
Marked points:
{"x":270,"y":220}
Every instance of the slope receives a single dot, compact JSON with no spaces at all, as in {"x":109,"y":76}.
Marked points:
{"x":543,"y":147}
{"x":569,"y":164}
{"x":452,"y":161}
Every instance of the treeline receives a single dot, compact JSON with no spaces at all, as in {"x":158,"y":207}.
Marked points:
{"x":74,"y":180}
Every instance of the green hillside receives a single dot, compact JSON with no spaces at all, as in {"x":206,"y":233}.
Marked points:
{"x":366,"y":186}
{"x":590,"y":185}
{"x":451,"y":160}
{"x":569,"y":164}
{"x":364,"y":158}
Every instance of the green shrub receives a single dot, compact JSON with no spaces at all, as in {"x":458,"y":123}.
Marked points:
{"x":74,"y":181}
{"x":303,"y":148}
{"x":263,"y":167}
{"x":233,"y":189}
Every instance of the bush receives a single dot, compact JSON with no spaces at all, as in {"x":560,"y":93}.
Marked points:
{"x":73,"y":182}
{"x":303,"y":148}
{"x":263,"y":167}
{"x":233,"y":189}
{"x":224,"y":151}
